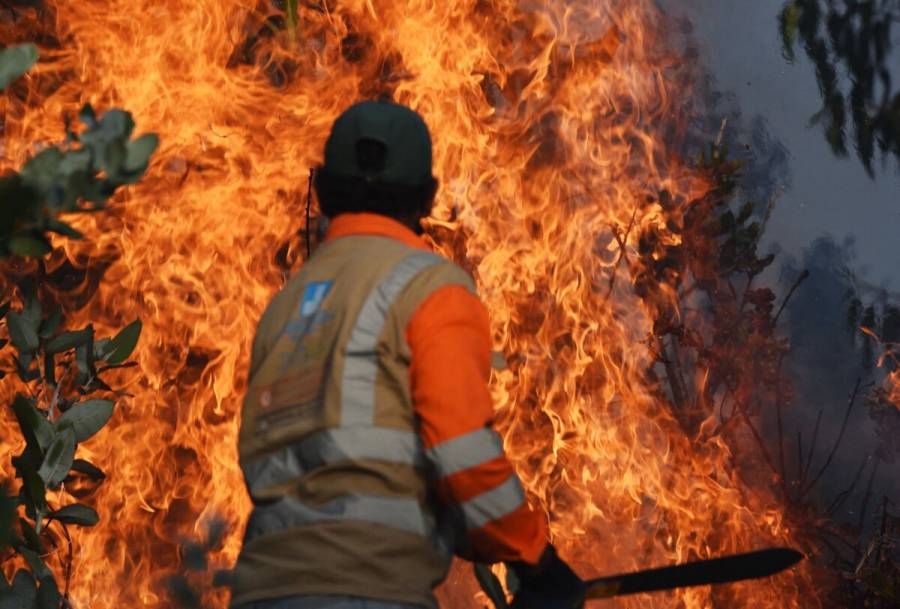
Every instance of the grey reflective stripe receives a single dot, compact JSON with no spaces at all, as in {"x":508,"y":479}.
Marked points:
{"x":288,"y":513}
{"x":465,"y":451}
{"x":333,"y":446}
{"x":361,"y":360}
{"x":493,"y":504}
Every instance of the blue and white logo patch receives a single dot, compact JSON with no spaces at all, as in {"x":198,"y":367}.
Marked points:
{"x":313,"y":297}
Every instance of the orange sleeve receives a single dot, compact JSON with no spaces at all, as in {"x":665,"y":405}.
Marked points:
{"x":449,"y":338}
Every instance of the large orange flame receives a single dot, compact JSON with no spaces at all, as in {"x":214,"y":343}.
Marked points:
{"x":551,"y":123}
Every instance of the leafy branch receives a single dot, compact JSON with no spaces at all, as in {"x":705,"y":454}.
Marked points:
{"x":852,"y":37}
{"x":60,"y":370}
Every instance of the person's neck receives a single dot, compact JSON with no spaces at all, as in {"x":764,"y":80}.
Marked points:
{"x":412,"y":222}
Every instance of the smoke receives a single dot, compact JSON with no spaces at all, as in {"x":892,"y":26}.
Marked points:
{"x":717,"y":117}
{"x":825,"y":361}
{"x":827,"y":358}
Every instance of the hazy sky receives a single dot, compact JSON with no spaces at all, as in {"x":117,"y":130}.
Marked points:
{"x":740,"y":44}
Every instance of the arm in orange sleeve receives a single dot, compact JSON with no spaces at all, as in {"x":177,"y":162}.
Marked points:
{"x":449,"y":338}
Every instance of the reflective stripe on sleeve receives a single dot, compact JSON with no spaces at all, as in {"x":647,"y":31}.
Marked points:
{"x":465,"y":451}
{"x":361,"y":361}
{"x":289,"y":512}
{"x":493,"y":504}
{"x":333,"y":446}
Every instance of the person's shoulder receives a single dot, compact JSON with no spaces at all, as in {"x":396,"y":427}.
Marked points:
{"x":441,"y":271}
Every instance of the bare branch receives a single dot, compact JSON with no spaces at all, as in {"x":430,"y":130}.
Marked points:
{"x":787,"y":298}
{"x":864,"y":506}
{"x":841,"y":497}
{"x":623,"y":254}
{"x":759,"y":440}
{"x":812,"y":449}
{"x":837,"y":442}
{"x":781,"y":461}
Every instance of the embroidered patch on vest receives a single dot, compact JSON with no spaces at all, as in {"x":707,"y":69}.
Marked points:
{"x":313,"y":297}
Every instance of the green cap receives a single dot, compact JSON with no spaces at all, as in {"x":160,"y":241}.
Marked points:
{"x":399,"y":133}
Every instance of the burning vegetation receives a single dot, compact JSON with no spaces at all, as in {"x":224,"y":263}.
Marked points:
{"x":621,"y":277}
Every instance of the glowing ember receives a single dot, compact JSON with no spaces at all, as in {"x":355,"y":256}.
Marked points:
{"x":892,"y":388}
{"x":550,"y":123}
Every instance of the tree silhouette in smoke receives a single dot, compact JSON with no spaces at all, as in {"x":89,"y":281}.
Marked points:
{"x":854,"y":38}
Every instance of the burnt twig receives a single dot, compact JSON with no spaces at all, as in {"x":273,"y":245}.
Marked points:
{"x":837,"y":442}
{"x":781,"y":461}
{"x":864,"y":506}
{"x":673,"y":376}
{"x":812,"y":449}
{"x":759,"y":440}
{"x":803,"y":276}
{"x":621,"y":240}
{"x":841,"y":497}
{"x":69,"y":560}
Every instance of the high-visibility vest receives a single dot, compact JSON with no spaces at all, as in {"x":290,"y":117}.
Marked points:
{"x":328,"y":442}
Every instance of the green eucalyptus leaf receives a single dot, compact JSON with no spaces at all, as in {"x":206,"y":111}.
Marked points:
{"x":117,"y":124}
{"x":15,"y":61}
{"x":84,"y":362}
{"x":114,"y":125}
{"x":69,"y":340}
{"x":52,"y":323}
{"x":42,"y":169}
{"x":59,"y":457}
{"x":123,"y":344}
{"x":726,"y":222}
{"x":33,"y":310}
{"x":24,"y":591}
{"x":76,"y":162}
{"x":139,"y":152}
{"x":21,"y":333}
{"x":36,"y":563}
{"x":745,"y":212}
{"x":35,"y":494}
{"x":62,"y":228}
{"x":7,"y":516}
{"x":21,"y":204}
{"x":754,"y":230}
{"x":88,"y":116}
{"x":4,"y":309}
{"x":76,"y":514}
{"x":31,"y":537}
{"x":38,"y":431}
{"x":101,"y":346}
{"x":29,"y":246}
{"x":48,"y":596}
{"x":789,"y":24}
{"x":87,"y":418}
{"x":114,"y":157}
{"x":26,"y":373}
{"x":30,"y":458}
{"x":50,"y":369}
{"x":88,"y":469}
